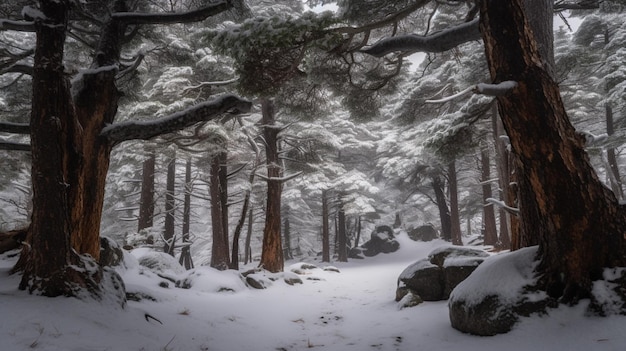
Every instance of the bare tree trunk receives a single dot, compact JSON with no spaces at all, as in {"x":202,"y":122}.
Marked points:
{"x":442,"y":205}
{"x":248,"y":250}
{"x":146,"y":201}
{"x":342,"y":245}
{"x":185,"y":254}
{"x":455,"y":219}
{"x":579,"y":222}
{"x":358,"y":231}
{"x":287,"y":236}
{"x":489,"y":216}
{"x":272,"y":254}
{"x":615,"y":178}
{"x":325,"y":231}
{"x":219,"y":250}
{"x":170,"y":208}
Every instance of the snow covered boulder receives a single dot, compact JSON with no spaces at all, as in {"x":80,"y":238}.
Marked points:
{"x":159,"y":262}
{"x":382,"y":241}
{"x":208,"y":279}
{"x":492,"y":299}
{"x":435,"y":277}
{"x":423,"y":233}
{"x":423,"y":279}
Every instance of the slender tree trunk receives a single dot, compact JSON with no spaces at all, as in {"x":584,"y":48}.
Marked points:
{"x":170,"y":208}
{"x":342,"y":245}
{"x":615,"y":178}
{"x":442,"y":205}
{"x":185,"y":254}
{"x":325,"y":231}
{"x":146,"y":201}
{"x":358,"y":231}
{"x":287,"y":236}
{"x":455,"y":219}
{"x":272,"y":254}
{"x":504,"y":180}
{"x":223,"y":185}
{"x":234,"y":262}
{"x":248,"y":250}
{"x":580,"y":225}
{"x":489,"y":216}
{"x":219,"y":250}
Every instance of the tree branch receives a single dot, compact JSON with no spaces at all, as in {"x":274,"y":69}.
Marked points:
{"x":7,"y":145}
{"x":437,"y":42}
{"x":14,"y":128}
{"x":172,"y":18}
{"x":19,"y":26}
{"x":563,"y":5}
{"x":145,"y":130}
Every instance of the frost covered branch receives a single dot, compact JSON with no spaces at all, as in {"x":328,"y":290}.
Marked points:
{"x":172,"y":18}
{"x":144,"y":130}
{"x":280,"y":179}
{"x":437,"y":42}
{"x":501,"y":204}
{"x":499,"y":89}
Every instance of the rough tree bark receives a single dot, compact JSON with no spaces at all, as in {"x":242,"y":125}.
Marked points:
{"x":170,"y":208}
{"x":455,"y":218}
{"x":220,"y":257}
{"x":325,"y":229}
{"x":442,"y":205}
{"x":342,"y":239}
{"x":146,"y":200}
{"x":272,"y":254}
{"x":580,"y":225}
{"x":185,"y":253}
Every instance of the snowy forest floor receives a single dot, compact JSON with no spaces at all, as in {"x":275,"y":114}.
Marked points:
{"x":350,"y":310}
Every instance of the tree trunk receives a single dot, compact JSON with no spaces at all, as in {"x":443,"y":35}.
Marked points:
{"x":442,"y":205}
{"x":272,"y":254}
{"x":507,"y":221}
{"x":455,"y":219}
{"x":489,"y":216}
{"x":248,"y":250}
{"x":578,"y":221}
{"x":170,"y":208}
{"x":325,"y":229}
{"x":615,"y":178}
{"x":219,"y":250}
{"x":358,"y":232}
{"x":223,"y":182}
{"x":342,"y":244}
{"x":185,"y":253}
{"x":287,"y":236}
{"x":146,"y":201}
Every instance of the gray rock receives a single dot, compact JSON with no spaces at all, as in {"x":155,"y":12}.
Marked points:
{"x":445,"y":253}
{"x":422,"y":278}
{"x":111,"y":253}
{"x":423,"y":233}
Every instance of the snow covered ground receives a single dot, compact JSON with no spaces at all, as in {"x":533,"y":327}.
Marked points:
{"x":350,"y":310}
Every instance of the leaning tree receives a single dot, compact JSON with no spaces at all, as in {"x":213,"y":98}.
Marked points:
{"x":73,"y":130}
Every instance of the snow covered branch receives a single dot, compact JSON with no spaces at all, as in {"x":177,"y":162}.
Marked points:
{"x":499,"y":89}
{"x":207,"y":111}
{"x":15,"y":128}
{"x":20,"y":26}
{"x":280,"y":179}
{"x":437,"y":42}
{"x":172,"y":18}
{"x":563,"y":5}
{"x":512,"y":210}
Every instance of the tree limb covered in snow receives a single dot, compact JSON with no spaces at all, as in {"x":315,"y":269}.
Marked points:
{"x":499,"y":89}
{"x":172,"y":18}
{"x":145,"y":130}
{"x":563,"y":5}
{"x":19,"y":26}
{"x":280,"y":179}
{"x":437,"y":42}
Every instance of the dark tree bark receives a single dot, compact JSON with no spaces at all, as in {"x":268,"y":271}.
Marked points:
{"x":455,"y":218}
{"x":342,"y":239}
{"x":489,"y":216}
{"x":358,"y":232}
{"x":185,"y":253}
{"x":287,"y":235}
{"x":442,"y":205}
{"x":272,"y":254}
{"x":170,"y":208}
{"x":223,"y":181}
{"x":325,"y":229}
{"x":248,"y":250}
{"x":146,"y":201}
{"x":579,"y":223}
{"x":219,"y":251}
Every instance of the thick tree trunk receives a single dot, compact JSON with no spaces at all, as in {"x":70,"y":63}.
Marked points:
{"x":185,"y":253}
{"x":489,"y":215}
{"x":272,"y":254}
{"x":442,"y":205}
{"x":146,"y":201}
{"x":325,"y":229}
{"x":455,"y":218}
{"x":170,"y":208}
{"x":581,"y":227}
{"x":219,"y":250}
